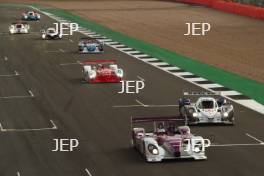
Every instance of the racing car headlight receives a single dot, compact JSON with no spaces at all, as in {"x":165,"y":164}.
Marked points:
{"x":43,"y":36}
{"x":191,"y":110}
{"x":119,"y":73}
{"x":11,"y":30}
{"x":153,"y":149}
{"x":92,"y":75}
{"x":194,"y":114}
{"x":225,"y":114}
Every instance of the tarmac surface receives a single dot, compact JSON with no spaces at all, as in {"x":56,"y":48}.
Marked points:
{"x":43,"y":97}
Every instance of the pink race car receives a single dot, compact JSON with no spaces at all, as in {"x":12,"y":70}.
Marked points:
{"x":160,"y":138}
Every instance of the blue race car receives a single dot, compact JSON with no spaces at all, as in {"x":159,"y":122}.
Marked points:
{"x":88,"y":45}
{"x":30,"y":16}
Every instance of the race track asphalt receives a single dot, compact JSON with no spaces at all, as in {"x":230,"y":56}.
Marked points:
{"x":86,"y":112}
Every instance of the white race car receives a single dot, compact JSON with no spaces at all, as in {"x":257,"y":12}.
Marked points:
{"x":206,"y":109}
{"x":50,"y":33}
{"x":159,"y":138}
{"x":19,"y":28}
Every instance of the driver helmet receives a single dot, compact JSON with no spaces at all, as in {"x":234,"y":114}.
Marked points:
{"x":221,"y":101}
{"x":161,"y":128}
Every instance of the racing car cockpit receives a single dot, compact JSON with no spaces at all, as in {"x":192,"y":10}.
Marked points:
{"x":31,"y":13}
{"x":160,"y":130}
{"x":18,"y":26}
{"x":221,"y":101}
{"x":51,"y":31}
{"x":207,"y":103}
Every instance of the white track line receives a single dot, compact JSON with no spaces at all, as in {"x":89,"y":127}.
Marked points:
{"x":127,"y":106}
{"x":18,"y":174}
{"x":1,"y":127}
{"x":16,"y":73}
{"x":111,"y":43}
{"x":235,"y":145}
{"x":31,"y":93}
{"x":256,"y":139}
{"x":16,"y":97}
{"x":54,"y":127}
{"x":140,"y":78}
{"x":139,"y":102}
{"x":105,"y":40}
{"x":88,"y":172}
{"x":196,"y":79}
{"x":156,"y":106}
{"x":122,"y":49}
{"x":146,"y":106}
{"x":116,"y":46}
{"x":11,"y":75}
{"x":22,"y":96}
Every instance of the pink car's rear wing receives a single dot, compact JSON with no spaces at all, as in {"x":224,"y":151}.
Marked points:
{"x":96,"y":62}
{"x":177,"y":120}
{"x":156,"y":119}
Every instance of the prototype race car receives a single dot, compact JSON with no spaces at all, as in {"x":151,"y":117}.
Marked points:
{"x":30,"y":16}
{"x":102,"y":71}
{"x":88,"y":45}
{"x":50,"y":33}
{"x":19,"y":28}
{"x":160,"y":138}
{"x":206,"y":109}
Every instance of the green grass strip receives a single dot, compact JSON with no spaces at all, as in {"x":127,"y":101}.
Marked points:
{"x":248,"y":87}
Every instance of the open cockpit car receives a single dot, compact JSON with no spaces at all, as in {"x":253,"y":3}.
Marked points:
{"x":160,"y":138}
{"x":206,"y":109}
{"x":19,"y":28}
{"x":88,"y":45}
{"x":50,"y":34}
{"x":30,"y":16}
{"x":102,"y":71}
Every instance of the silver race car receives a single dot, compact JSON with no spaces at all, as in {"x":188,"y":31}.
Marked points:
{"x":159,"y":138}
{"x":19,"y":28}
{"x":206,"y":109}
{"x":88,"y":45}
{"x":50,"y":33}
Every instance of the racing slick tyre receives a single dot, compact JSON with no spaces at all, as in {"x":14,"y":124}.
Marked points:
{"x":100,"y":48}
{"x":182,"y":111}
{"x":80,"y":48}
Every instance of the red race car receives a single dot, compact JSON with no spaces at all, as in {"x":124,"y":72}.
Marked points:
{"x":102,"y":71}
